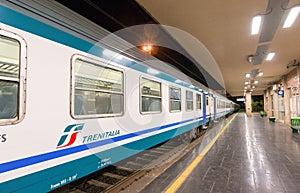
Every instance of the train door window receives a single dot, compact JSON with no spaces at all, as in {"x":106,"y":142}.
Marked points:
{"x":10,"y":81}
{"x":189,"y":101}
{"x":175,"y":99}
{"x":97,"y":89}
{"x":150,"y":96}
{"x":198,"y":101}
{"x":206,"y":100}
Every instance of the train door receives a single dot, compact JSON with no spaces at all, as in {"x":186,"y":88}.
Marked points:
{"x":208,"y":109}
{"x":211,"y":106}
{"x":204,"y":107}
{"x":215,"y":107}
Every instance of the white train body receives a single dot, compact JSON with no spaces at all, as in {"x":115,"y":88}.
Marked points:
{"x":48,"y":142}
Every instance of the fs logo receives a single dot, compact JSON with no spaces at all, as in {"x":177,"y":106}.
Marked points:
{"x":70,"y":135}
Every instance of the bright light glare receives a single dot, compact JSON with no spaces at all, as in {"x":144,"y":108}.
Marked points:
{"x":147,"y":48}
{"x":112,"y":54}
{"x":152,"y":71}
{"x":291,"y":17}
{"x":246,"y":83}
{"x":178,"y":81}
{"x":256,"y":82}
{"x":270,"y":56}
{"x":247,"y":75}
{"x":260,"y":74}
{"x":256,"y":21}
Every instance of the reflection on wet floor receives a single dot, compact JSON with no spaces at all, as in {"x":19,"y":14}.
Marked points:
{"x":252,"y":155}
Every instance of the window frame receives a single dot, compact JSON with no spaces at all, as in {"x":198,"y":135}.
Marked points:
{"x":21,"y":80}
{"x":97,"y":62}
{"x":207,"y":100}
{"x":200,"y":101}
{"x":186,"y":100}
{"x":141,"y":95}
{"x":180,"y":100}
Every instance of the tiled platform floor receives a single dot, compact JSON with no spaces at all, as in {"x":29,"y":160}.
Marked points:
{"x":252,"y":155}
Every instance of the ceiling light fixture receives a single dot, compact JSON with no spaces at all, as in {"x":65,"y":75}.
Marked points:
{"x":250,"y":58}
{"x":256,"y":82}
{"x":247,"y":75}
{"x":270,"y":56}
{"x":256,"y":21}
{"x":291,"y":17}
{"x":260,"y":74}
{"x":246,"y":83}
{"x":147,"y":48}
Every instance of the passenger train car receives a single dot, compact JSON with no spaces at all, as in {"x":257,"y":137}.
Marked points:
{"x":67,"y":110}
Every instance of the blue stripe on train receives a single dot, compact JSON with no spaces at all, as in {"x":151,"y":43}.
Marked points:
{"x":41,"y":181}
{"x":4,"y":167}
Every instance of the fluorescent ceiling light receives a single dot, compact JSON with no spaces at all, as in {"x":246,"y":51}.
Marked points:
{"x":247,"y":75}
{"x":256,"y":82}
{"x":246,"y":83}
{"x":260,"y":74}
{"x":256,"y":21}
{"x":270,"y":56}
{"x":291,"y":17}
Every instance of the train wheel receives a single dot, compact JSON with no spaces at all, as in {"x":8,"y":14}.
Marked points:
{"x":193,"y":134}
{"x":199,"y":131}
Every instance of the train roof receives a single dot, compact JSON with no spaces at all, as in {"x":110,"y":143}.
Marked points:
{"x":62,"y":18}
{"x":65,"y":19}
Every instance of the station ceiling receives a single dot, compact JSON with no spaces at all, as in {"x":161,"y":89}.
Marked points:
{"x":223,"y":27}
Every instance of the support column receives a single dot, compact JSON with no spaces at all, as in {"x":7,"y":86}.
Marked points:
{"x":248,"y":104}
{"x":287,"y":115}
{"x":266,"y":100}
{"x":286,"y":97}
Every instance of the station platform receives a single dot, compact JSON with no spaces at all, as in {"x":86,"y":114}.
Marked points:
{"x":250,"y":154}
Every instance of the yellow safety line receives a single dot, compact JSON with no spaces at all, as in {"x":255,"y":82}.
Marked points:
{"x":178,"y":182}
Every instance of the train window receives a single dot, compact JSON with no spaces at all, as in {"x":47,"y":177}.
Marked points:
{"x":175,"y":99}
{"x":189,"y":100}
{"x":98,"y":90}
{"x":9,"y":78}
{"x":198,"y":101}
{"x":206,"y":100}
{"x":150,"y":96}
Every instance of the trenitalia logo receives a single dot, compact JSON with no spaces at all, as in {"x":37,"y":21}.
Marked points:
{"x":70,"y":135}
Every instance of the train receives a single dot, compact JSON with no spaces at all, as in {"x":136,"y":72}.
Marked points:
{"x":67,"y":110}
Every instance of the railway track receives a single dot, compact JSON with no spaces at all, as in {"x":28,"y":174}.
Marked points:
{"x":119,"y":176}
